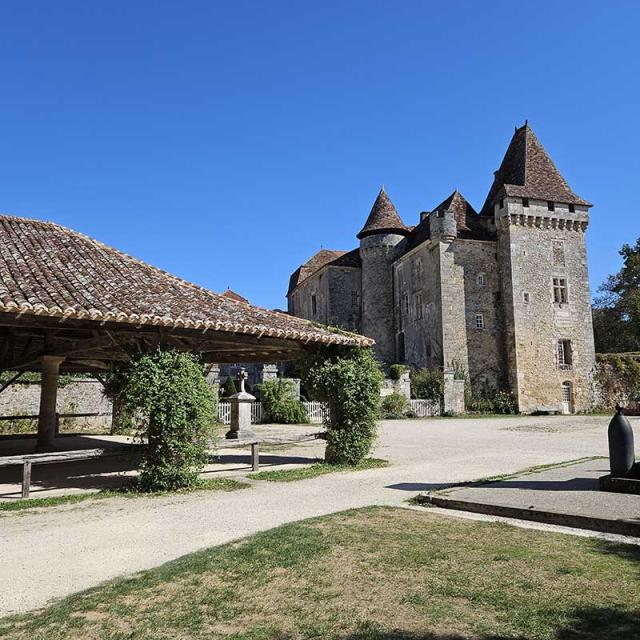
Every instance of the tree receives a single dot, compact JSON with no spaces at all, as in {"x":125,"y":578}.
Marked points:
{"x":616,"y":314}
{"x":229,"y":388}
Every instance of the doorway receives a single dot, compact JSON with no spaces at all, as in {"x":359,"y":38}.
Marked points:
{"x":567,"y":398}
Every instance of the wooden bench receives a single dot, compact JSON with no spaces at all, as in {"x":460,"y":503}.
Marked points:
{"x":29,"y":459}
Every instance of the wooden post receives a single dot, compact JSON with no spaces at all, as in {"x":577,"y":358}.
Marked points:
{"x":26,"y":478}
{"x":48,"y":398}
{"x":255,"y":456}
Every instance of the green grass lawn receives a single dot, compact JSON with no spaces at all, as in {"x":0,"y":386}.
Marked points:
{"x":376,"y":573}
{"x":318,"y":469}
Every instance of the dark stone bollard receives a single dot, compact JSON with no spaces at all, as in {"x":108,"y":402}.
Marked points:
{"x":621,"y":450}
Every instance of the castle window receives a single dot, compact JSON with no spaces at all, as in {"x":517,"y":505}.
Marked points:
{"x":481,"y":280}
{"x":418,"y":301}
{"x":405,"y":304}
{"x":564,"y":354}
{"x":525,"y":202}
{"x":479,"y":321}
{"x":572,"y":208}
{"x":551,"y":205}
{"x":558,"y":253}
{"x":560,"y":295}
{"x":401,"y":353}
{"x":525,"y":297}
{"x":314,"y":305}
{"x":355,"y":299}
{"x":502,"y":203}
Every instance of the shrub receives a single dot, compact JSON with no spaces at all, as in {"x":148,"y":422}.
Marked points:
{"x":280,"y":404}
{"x":427,"y":384}
{"x":490,"y":400}
{"x":394,"y":406}
{"x":230,"y":388}
{"x":348,"y":380}
{"x":396,"y":371}
{"x":167,"y":391}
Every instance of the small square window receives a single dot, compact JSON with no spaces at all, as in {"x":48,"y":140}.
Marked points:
{"x":572,"y":208}
{"x":479,"y":321}
{"x":551,"y":205}
{"x":525,"y":297}
{"x":525,"y":202}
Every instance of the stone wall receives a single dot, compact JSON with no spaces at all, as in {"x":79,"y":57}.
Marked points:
{"x":536,"y":245}
{"x":79,"y":396}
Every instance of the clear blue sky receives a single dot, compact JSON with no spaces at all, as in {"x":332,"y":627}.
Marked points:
{"x":225,"y":142}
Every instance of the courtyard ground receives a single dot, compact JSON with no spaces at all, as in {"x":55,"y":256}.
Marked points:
{"x":371,"y":574}
{"x":51,"y":553}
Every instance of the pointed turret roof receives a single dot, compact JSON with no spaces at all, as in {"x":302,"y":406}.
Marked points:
{"x":383,"y":218}
{"x":527,"y":171}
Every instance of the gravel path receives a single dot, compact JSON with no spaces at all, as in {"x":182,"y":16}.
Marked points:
{"x":50,"y":553}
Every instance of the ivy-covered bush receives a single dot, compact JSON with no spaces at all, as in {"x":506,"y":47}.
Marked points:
{"x":167,"y":393}
{"x":618,"y":378}
{"x":427,"y":384}
{"x":396,"y":371}
{"x":348,"y":380}
{"x":280,"y":403}
{"x":394,"y":406}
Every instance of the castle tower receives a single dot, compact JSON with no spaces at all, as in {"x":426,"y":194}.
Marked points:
{"x":379,"y":239}
{"x":542,"y":260}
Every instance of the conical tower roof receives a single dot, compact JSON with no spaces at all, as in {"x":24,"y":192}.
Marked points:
{"x":527,"y":171}
{"x":383,"y":218}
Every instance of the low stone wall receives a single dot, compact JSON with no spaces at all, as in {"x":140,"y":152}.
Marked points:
{"x":78,"y":396}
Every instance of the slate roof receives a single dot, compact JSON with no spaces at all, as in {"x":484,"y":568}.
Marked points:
{"x":527,"y":171}
{"x":49,"y":271}
{"x":383,"y":218}
{"x":470,"y":225}
{"x":322,"y":259}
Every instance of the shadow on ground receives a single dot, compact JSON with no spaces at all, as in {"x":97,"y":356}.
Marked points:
{"x":584,"y":624}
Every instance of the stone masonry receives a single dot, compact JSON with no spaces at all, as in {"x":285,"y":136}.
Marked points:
{"x":502,"y":294}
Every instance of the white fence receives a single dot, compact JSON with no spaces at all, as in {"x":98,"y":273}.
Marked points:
{"x":425,"y":408}
{"x":316,"y":410}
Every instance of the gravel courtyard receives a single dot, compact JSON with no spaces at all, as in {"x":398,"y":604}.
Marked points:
{"x":51,"y":552}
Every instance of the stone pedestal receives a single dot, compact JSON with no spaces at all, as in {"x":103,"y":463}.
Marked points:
{"x":240,"y":426}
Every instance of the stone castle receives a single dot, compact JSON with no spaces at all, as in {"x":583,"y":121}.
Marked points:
{"x":502,"y":294}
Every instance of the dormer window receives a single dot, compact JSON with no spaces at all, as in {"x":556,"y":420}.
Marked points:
{"x":551,"y":205}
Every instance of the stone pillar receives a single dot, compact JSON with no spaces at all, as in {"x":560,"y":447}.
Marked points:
{"x":241,"y":402}
{"x":453,"y":394}
{"x":48,"y":398}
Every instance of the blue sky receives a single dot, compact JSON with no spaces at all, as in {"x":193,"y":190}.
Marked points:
{"x":226,"y":142}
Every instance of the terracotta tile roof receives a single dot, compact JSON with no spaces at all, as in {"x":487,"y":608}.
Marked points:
{"x":232,"y":295}
{"x":49,"y":271}
{"x":322,"y":259}
{"x":527,"y":171}
{"x":383,"y":217}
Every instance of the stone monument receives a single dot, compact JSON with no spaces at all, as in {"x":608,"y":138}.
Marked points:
{"x":241,"y":402}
